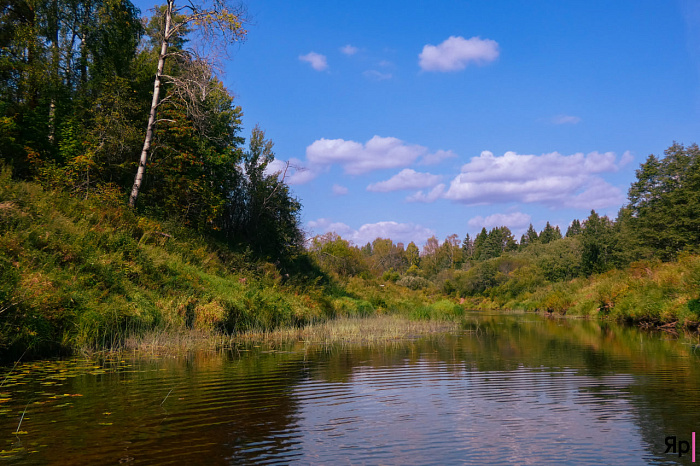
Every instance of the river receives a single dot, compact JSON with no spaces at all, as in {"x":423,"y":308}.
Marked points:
{"x":506,"y":388}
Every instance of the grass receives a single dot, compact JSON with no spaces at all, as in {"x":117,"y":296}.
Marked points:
{"x":343,"y":330}
{"x":649,"y":294}
{"x":375,"y":329}
{"x":87,"y":274}
{"x":91,"y":274}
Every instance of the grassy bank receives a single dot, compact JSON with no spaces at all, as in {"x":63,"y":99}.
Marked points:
{"x":647,"y":293}
{"x":90,"y":273}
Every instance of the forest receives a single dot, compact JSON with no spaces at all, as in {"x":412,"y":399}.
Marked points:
{"x":131,"y":200}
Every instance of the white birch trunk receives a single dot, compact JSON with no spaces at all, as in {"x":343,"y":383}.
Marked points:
{"x":154,"y":106}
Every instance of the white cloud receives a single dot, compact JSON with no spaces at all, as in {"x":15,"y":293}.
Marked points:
{"x":405,"y":179}
{"x":432,"y":196}
{"x":553,"y":178}
{"x":397,"y":232}
{"x":598,"y":195}
{"x":324,"y":225}
{"x":456,"y":53}
{"x":376,"y":75}
{"x":316,"y":60}
{"x":276,"y":166}
{"x":437,"y":157}
{"x":295,"y":173}
{"x":566,"y":120}
{"x":626,"y":158}
{"x":301,"y":176}
{"x":339,"y":190}
{"x":357,"y":158}
{"x":349,"y":50}
{"x":514,"y":221}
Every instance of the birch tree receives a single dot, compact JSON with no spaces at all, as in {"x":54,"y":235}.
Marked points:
{"x":215,"y":22}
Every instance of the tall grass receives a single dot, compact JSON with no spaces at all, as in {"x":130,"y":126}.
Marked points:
{"x":649,"y":293}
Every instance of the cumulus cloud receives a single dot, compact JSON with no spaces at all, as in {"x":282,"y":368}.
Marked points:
{"x":456,"y":52}
{"x":514,"y":221}
{"x":376,"y":75}
{"x":553,"y":178}
{"x":566,"y":120}
{"x":432,"y":196}
{"x":437,"y":157}
{"x":339,"y":190}
{"x":398,"y":232}
{"x":349,"y":50}
{"x":597,"y":195}
{"x":324,"y":225}
{"x":294,"y":173}
{"x":276,"y":166}
{"x":357,"y":158}
{"x":626,"y":158}
{"x":405,"y":179}
{"x":316,"y":60}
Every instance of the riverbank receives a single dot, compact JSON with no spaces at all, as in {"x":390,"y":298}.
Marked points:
{"x":91,"y":274}
{"x":647,"y":294}
{"x":87,"y":274}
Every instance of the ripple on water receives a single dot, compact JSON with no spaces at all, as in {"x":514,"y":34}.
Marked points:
{"x":490,"y":400}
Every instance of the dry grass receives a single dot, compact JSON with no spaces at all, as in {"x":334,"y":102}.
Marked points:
{"x":175,"y":341}
{"x":369,"y":330}
{"x":353,"y":330}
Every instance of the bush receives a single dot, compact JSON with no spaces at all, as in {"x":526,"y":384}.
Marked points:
{"x":413,"y":282}
{"x":349,"y":307}
{"x":440,"y":310}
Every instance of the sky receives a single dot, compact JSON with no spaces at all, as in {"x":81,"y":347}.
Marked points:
{"x":408,"y":119}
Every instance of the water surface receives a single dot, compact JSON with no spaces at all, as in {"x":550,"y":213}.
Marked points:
{"x":505,"y":389}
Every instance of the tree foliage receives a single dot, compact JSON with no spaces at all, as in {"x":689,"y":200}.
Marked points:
{"x":663,"y":212}
{"x":77,"y":84}
{"x":336,"y":255}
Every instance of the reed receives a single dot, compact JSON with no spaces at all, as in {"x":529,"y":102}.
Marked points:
{"x":373,"y":329}
{"x":345,"y":330}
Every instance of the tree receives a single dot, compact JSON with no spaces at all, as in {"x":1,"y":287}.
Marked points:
{"x":429,"y":256}
{"x":467,"y":248}
{"x":259,"y":207}
{"x":574,"y":229}
{"x":664,"y":201}
{"x":529,"y":237}
{"x":194,"y":174}
{"x":336,"y":255}
{"x":213,"y":21}
{"x":386,"y":255}
{"x":57,"y":58}
{"x":599,"y":244}
{"x":451,"y":245}
{"x":549,"y":234}
{"x":494,"y":243}
{"x":559,"y":260}
{"x":480,"y":244}
{"x":412,"y":254}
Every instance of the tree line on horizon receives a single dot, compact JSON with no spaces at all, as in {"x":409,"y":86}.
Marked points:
{"x":660,"y":222}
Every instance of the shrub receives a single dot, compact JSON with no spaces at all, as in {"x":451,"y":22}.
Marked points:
{"x":413,"y":282}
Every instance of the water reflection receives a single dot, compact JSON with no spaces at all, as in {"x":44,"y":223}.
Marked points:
{"x":508,"y":388}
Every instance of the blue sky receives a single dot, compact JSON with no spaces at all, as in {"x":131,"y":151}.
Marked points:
{"x":407,"y":119}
